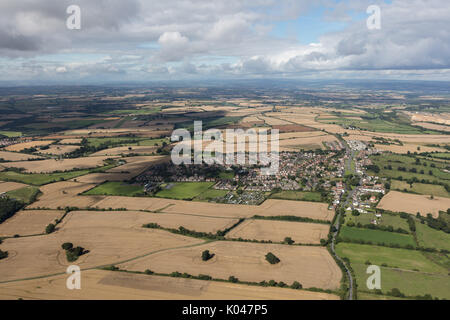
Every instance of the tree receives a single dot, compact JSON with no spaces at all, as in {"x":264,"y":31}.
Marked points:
{"x":296,"y":285}
{"x":67,"y":245}
{"x":50,"y":228}
{"x":271,"y":258}
{"x":233,"y":279}
{"x":206,"y":255}
{"x":3,"y":254}
{"x":288,"y":240}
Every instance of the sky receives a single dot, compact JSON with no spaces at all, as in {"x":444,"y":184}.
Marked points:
{"x":141,"y":40}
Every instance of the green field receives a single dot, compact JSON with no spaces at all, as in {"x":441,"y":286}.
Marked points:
{"x":116,"y":189}
{"x":408,"y":282}
{"x":127,"y":141}
{"x":407,"y":270}
{"x":389,"y":167}
{"x":372,"y":296}
{"x":184,"y":190}
{"x":420,"y":188}
{"x":386,"y":220}
{"x":377,"y":125}
{"x":211,"y":194}
{"x":376,"y":236}
{"x":393,"y":257}
{"x":26,"y":195}
{"x":140,"y":111}
{"x":431,"y":238}
{"x":10,"y":134}
{"x":228,"y":175}
{"x":298,"y":195}
{"x":38,"y":179}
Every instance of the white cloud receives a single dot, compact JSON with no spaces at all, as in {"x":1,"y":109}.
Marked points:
{"x":189,"y":36}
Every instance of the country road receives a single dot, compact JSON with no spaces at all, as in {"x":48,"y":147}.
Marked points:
{"x":337,"y":226}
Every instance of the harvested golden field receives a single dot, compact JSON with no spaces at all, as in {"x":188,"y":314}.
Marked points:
{"x":313,"y":210}
{"x":26,"y":145}
{"x":70,"y":141}
{"x":14,"y":156}
{"x":52,"y":165}
{"x":42,"y":255}
{"x":433,"y":126}
{"x":151,"y":133}
{"x":59,"y":149}
{"x":28,"y":222}
{"x":117,"y":202}
{"x":9,"y":186}
{"x":135,"y":220}
{"x":442,"y":118}
{"x":271,"y":207}
{"x":311,"y":266}
{"x":109,"y":285}
{"x":413,"y":203}
{"x":101,"y":177}
{"x":296,"y":144}
{"x":64,"y":194}
{"x":126,"y":150}
{"x":136,"y":165}
{"x":407,"y":147}
{"x":274,"y":121}
{"x":303,"y":233}
{"x":405,"y":138}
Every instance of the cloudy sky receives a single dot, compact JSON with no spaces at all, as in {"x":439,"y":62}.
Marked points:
{"x":142,"y":40}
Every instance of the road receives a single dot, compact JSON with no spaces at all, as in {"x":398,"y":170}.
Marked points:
{"x":337,"y":226}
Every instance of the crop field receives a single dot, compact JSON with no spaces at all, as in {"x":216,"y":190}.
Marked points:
{"x":298,"y":195}
{"x":136,"y":165}
{"x":421,"y":188}
{"x":29,"y":222}
{"x":433,"y":126}
{"x":386,"y":220}
{"x":57,"y":149}
{"x":378,"y":125}
{"x":393,"y":257}
{"x":26,"y":145}
{"x":211,"y":194}
{"x":116,"y":189}
{"x":432,"y":238}
{"x":276,"y":231}
{"x":311,"y":266}
{"x":15,"y":156}
{"x":9,"y":186}
{"x":127,"y":286}
{"x":135,"y":220}
{"x":375,"y":236}
{"x":52,"y":165}
{"x":63,"y":194}
{"x":184,"y":190}
{"x":413,"y":203}
{"x":42,"y":255}
{"x":10,"y":134}
{"x":410,"y":283}
{"x":126,"y":150}
{"x":407,"y":270}
{"x":26,"y":194}
{"x":70,"y":141}
{"x":405,"y":148}
{"x":101,"y":177}
{"x":389,"y":165}
{"x":40,"y":178}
